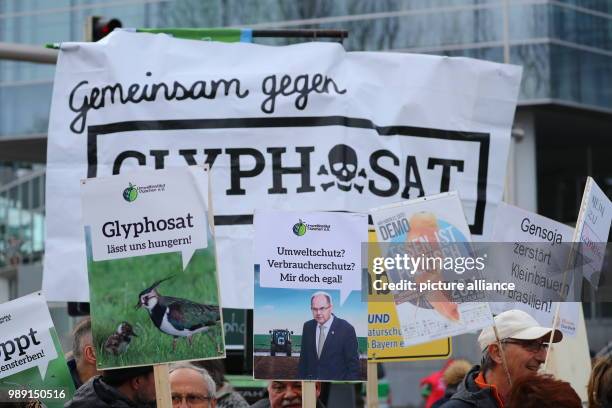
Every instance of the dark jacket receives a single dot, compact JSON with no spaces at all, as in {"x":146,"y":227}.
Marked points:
{"x":228,"y":398}
{"x":448,"y":393}
{"x":339,"y":357}
{"x":469,"y":394}
{"x":95,"y":393}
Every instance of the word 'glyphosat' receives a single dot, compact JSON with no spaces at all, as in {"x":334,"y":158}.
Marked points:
{"x":112,"y":229}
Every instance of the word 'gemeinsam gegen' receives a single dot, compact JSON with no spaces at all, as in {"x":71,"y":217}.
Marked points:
{"x":272,"y":86}
{"x":112,"y":229}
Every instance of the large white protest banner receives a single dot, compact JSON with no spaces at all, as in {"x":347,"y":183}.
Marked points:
{"x":427,"y":247}
{"x":32,"y":364}
{"x":529,"y":252}
{"x":592,"y":229}
{"x":303,"y":127}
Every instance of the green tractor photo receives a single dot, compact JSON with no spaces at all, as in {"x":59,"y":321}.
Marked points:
{"x":280,"y":341}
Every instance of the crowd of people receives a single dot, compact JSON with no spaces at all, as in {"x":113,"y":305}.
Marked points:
{"x":202,"y":384}
{"x":507,"y":377}
{"x":198,"y":385}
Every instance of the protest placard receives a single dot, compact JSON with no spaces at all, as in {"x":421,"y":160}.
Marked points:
{"x":592,"y":229}
{"x":527,"y":250}
{"x":32,"y":364}
{"x":152,"y":267}
{"x":570,"y":360}
{"x":310,"y":321}
{"x":385,"y":340}
{"x":412,"y":234}
{"x":303,"y":127}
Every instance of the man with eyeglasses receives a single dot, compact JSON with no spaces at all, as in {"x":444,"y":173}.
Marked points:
{"x":286,"y":394}
{"x":191,"y":387}
{"x":329,"y":344}
{"x":524,"y":344}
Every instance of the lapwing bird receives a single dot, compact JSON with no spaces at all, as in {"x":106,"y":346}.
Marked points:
{"x":118,"y":342}
{"x":177,"y":317}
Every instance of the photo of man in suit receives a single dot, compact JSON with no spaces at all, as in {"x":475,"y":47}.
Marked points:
{"x":329,"y":344}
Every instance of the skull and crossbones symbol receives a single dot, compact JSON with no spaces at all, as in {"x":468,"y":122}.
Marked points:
{"x":343,"y":165}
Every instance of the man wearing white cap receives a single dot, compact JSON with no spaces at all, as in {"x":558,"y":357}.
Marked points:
{"x":524,"y":344}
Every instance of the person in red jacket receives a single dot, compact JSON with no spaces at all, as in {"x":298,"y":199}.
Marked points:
{"x":432,"y":386}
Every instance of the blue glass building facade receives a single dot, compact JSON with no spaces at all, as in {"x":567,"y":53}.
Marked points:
{"x":565,"y":47}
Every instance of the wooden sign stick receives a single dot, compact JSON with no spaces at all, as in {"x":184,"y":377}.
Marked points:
{"x":309,"y":394}
{"x":372,"y":385}
{"x":571,"y":262}
{"x":503,"y":354}
{"x":162,"y":386}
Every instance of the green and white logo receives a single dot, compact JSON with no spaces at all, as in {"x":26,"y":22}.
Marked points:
{"x":299,"y":229}
{"x":131,"y":193}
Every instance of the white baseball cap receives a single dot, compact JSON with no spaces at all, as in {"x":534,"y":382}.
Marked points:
{"x":515,"y":324}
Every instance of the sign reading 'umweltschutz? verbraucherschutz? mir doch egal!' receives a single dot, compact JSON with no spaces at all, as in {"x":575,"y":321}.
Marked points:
{"x":310,"y":321}
{"x":150,"y":245}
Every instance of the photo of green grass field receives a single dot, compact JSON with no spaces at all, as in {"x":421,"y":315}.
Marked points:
{"x":115,"y":289}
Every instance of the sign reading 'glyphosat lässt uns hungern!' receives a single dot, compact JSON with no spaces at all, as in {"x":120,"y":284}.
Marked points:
{"x":152,"y":267}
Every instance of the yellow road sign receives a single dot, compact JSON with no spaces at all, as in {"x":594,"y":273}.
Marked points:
{"x":385,"y":342}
